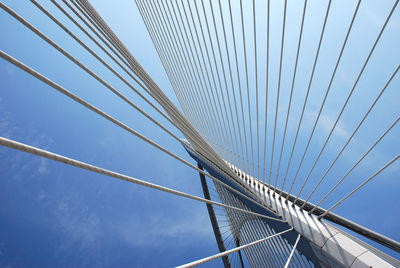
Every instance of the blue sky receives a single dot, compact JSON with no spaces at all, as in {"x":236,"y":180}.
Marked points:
{"x":56,"y":215}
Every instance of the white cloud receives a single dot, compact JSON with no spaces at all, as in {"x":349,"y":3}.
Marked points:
{"x":374,"y":17}
{"x":155,"y":230}
{"x":326,"y":123}
{"x":377,"y":17}
{"x":42,"y":169}
{"x":6,"y":128}
{"x":41,"y":196}
{"x":10,"y":70}
{"x":79,"y":224}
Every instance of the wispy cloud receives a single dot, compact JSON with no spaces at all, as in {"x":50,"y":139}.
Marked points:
{"x":378,"y":18}
{"x":42,"y":169}
{"x":42,"y":196}
{"x":9,"y":129}
{"x":78,"y":224}
{"x":163,"y":228}
{"x":6,"y":127}
{"x":82,"y":227}
{"x":327,"y":123}
{"x":10,"y":70}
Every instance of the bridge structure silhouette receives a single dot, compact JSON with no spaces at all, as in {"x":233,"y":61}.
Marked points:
{"x":262,"y":103}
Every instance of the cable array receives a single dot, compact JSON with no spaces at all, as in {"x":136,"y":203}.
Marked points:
{"x":233,"y":68}
{"x":235,"y":141}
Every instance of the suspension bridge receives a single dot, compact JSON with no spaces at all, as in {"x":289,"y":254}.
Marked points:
{"x":285,"y":109}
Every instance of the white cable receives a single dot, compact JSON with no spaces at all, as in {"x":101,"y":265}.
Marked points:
{"x":69,"y":161}
{"x":216,"y":256}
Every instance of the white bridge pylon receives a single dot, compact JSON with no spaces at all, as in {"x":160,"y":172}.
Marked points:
{"x":332,"y":246}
